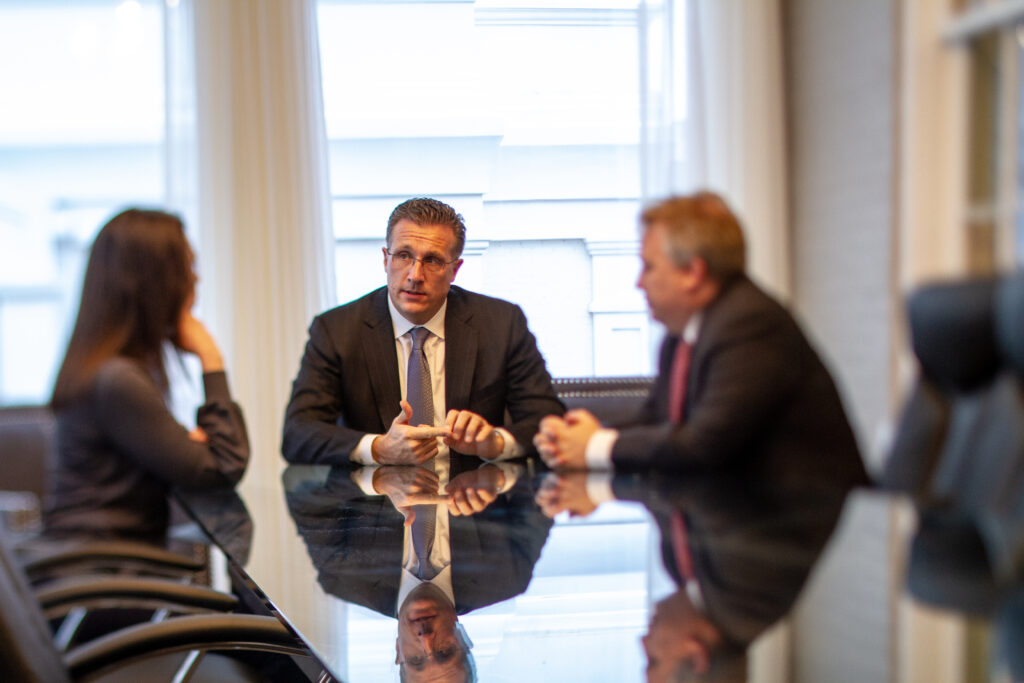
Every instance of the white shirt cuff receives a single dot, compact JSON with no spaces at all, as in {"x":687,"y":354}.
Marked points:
{"x":511,"y":470}
{"x":363,"y":452}
{"x":510,"y":450}
{"x":599,"y":487}
{"x":363,"y":478}
{"x":598,"y":454}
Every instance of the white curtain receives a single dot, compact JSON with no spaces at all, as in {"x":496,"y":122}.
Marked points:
{"x":713,"y":115}
{"x":247,"y":166}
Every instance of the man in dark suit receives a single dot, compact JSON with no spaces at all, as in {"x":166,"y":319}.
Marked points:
{"x":347,"y":402}
{"x":737,"y":378}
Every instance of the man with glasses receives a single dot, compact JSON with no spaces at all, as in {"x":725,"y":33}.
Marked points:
{"x":466,"y":359}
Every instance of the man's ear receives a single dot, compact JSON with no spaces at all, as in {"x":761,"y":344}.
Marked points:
{"x":455,"y":269}
{"x":385,"y":250}
{"x":695,"y":273}
{"x":398,"y":657}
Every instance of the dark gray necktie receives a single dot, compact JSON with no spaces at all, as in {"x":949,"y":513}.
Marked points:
{"x":421,"y":397}
{"x":418,"y":388}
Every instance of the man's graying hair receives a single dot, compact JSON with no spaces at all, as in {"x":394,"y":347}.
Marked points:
{"x":700,"y":225}
{"x":426,"y":211}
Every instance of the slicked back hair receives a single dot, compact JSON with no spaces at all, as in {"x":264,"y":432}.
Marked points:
{"x":427,"y":211}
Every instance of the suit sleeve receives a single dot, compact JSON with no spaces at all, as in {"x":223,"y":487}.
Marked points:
{"x":140,"y":425}
{"x":530,"y":395}
{"x":750,"y":369}
{"x":313,"y":421}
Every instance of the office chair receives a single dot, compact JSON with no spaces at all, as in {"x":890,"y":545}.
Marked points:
{"x":953,"y":339}
{"x":612,"y":400}
{"x":184,"y":648}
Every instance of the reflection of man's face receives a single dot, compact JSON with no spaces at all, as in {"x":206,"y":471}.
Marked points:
{"x":428,"y":647}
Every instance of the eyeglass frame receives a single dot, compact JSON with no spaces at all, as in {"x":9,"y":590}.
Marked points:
{"x":440,"y":265}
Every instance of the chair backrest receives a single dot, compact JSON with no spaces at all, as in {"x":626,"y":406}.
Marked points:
{"x":952,"y":335}
{"x":1009,"y":325}
{"x":960,"y":443}
{"x":27,"y":448}
{"x":613,"y":400}
{"x":27,"y":651}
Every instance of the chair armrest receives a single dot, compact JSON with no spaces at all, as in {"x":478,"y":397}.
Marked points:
{"x":199,"y":632}
{"x":37,"y":560}
{"x":58,"y":596}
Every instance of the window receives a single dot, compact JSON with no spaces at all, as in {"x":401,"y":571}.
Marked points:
{"x":993,"y":33}
{"x":81,"y":132}
{"x":524,"y":116}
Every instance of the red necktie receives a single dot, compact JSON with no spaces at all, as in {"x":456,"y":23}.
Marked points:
{"x":681,"y":546}
{"x":677,"y":381}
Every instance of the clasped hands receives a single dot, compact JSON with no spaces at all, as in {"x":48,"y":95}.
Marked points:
{"x":562,"y":441}
{"x":466,"y":494}
{"x":463,"y":431}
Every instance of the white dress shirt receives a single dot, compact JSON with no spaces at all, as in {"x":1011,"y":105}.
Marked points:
{"x":598,"y":454}
{"x":433,"y":347}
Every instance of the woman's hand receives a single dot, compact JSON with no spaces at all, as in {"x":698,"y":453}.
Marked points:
{"x":194,"y":338}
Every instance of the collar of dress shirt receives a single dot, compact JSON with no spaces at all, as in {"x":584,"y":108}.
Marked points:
{"x":690,"y":332}
{"x":402,"y":325}
{"x":408,"y":581}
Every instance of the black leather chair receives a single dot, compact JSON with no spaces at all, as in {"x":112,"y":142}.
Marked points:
{"x":959,"y":448}
{"x":953,"y":337}
{"x":613,"y":400}
{"x":188,"y":646}
{"x":28,"y":451}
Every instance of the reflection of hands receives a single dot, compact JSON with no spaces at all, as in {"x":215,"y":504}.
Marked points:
{"x":561,"y":492}
{"x":473,"y":435}
{"x":678,"y":635}
{"x":404,"y":444}
{"x":193,"y":337}
{"x":472,"y":491}
{"x":407,"y":485}
{"x":562,"y":442}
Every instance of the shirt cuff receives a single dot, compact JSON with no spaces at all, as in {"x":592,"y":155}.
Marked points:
{"x":599,"y":487}
{"x":510,"y":450}
{"x":510,"y":470}
{"x":598,"y":454}
{"x":363,"y":452}
{"x":363,"y":478}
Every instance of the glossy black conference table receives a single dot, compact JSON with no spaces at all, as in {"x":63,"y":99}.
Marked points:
{"x":548,"y":587}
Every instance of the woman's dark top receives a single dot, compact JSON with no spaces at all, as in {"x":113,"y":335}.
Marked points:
{"x":119,"y":450}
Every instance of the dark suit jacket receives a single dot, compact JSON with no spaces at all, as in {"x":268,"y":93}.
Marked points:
{"x":348,"y":384}
{"x":755,"y":389}
{"x":752,"y":541}
{"x":356,"y":541}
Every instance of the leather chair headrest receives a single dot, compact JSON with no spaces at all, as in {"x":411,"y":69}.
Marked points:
{"x":1009,"y":313}
{"x":952,"y":331}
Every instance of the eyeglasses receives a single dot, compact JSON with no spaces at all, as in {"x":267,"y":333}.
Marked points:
{"x":431,"y":264}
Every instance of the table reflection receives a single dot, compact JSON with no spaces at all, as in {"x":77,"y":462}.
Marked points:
{"x":360,"y":545}
{"x":738,"y":548}
{"x":571,"y":572}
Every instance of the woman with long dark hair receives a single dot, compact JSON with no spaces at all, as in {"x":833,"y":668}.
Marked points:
{"x":119,"y":447}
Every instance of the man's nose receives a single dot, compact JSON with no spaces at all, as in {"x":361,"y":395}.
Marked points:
{"x":416,"y":270}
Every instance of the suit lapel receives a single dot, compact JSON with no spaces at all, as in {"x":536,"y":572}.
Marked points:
{"x":460,"y":352}
{"x":378,"y":343}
